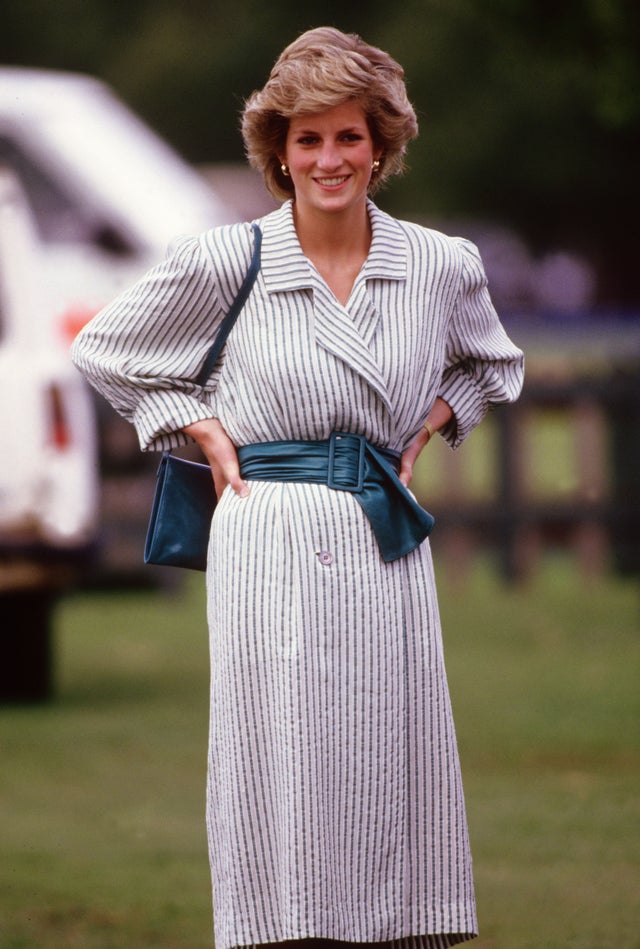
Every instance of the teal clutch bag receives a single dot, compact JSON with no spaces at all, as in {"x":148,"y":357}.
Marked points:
{"x":183,"y":505}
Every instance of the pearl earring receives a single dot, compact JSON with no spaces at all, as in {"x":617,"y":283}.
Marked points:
{"x":375,"y":166}
{"x":285,"y":170}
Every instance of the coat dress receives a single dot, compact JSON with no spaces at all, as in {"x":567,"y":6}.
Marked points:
{"x":334,"y":800}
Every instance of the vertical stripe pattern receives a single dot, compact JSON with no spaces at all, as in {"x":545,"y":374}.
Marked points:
{"x":334,"y":801}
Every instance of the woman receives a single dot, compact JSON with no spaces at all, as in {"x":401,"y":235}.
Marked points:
{"x":335,"y":807}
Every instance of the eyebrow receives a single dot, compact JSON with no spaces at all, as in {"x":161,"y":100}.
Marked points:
{"x":350,"y":128}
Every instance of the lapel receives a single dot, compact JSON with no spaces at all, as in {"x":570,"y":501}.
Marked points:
{"x":345,"y":332}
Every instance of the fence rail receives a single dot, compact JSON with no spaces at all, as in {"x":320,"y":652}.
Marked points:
{"x":564,"y":473}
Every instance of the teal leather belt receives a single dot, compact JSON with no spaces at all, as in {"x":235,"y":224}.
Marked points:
{"x":347,"y":462}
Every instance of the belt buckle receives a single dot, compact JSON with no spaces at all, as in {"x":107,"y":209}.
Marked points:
{"x":346,"y":441}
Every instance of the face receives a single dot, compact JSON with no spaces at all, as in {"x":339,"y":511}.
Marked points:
{"x":330,"y":155}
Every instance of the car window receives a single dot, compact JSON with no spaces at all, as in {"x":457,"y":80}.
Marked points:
{"x":58,"y":216}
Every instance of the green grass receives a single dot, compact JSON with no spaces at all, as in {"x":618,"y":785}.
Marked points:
{"x":545,"y":689}
{"x":102,"y":792}
{"x":102,"y":841}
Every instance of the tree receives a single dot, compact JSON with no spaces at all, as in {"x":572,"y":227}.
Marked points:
{"x":529,"y":109}
{"x":530,"y":115}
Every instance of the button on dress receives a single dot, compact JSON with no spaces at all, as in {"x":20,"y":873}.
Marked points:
{"x":334,"y":800}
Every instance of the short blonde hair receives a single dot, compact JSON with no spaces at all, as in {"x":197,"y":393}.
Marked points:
{"x":324,"y":68}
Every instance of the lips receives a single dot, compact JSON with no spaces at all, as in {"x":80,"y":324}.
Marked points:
{"x":332,"y":182}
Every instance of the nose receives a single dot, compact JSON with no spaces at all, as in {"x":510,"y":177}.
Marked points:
{"x":329,"y":158}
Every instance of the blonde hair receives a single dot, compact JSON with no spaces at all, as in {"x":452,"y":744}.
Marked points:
{"x":321,"y":69}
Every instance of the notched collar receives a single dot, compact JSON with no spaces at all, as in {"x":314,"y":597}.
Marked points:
{"x":348,"y":337}
{"x":285,"y":267}
{"x":283,"y":264}
{"x":387,"y":258}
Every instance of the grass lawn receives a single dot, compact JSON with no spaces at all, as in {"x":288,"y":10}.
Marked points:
{"x":102,"y":840}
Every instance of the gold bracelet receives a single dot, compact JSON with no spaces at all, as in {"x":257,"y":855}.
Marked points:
{"x":429,"y":429}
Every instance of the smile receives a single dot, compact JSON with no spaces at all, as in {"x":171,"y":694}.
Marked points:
{"x":332,"y":182}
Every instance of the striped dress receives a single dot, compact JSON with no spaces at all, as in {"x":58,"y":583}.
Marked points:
{"x":334,"y":801}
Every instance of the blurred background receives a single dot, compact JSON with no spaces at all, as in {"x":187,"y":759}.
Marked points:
{"x":119,"y":131}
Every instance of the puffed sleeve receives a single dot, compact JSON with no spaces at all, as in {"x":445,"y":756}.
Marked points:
{"x":143,"y":351}
{"x":482,"y":366}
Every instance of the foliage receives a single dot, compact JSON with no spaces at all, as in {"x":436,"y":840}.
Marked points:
{"x":530,"y":109}
{"x":531,"y":113}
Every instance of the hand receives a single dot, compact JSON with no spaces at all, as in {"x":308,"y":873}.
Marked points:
{"x":221,"y":454}
{"x":410,"y":455}
{"x":439,"y":415}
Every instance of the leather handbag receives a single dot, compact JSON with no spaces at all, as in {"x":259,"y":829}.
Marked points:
{"x":185,"y":497}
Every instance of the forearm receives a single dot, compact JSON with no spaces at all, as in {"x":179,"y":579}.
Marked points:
{"x":204,"y":432}
{"x":439,"y":416}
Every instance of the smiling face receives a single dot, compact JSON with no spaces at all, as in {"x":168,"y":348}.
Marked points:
{"x":330,"y":155}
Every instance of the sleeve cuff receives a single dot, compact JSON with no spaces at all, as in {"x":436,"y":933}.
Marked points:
{"x":468,"y":404}
{"x":161,"y":415}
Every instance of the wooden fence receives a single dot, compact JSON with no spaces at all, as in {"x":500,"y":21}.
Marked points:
{"x":558,"y":470}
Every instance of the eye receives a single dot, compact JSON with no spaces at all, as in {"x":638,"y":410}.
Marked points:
{"x":352,"y":137}
{"x":307,"y":139}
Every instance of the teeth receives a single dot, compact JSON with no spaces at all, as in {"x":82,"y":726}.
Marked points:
{"x":329,"y":182}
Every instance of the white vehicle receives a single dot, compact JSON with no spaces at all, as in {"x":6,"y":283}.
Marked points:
{"x":107,"y":193}
{"x":48,"y":475}
{"x":108,"y":197}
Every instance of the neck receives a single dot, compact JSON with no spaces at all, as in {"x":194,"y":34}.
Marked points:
{"x":333,"y":233}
